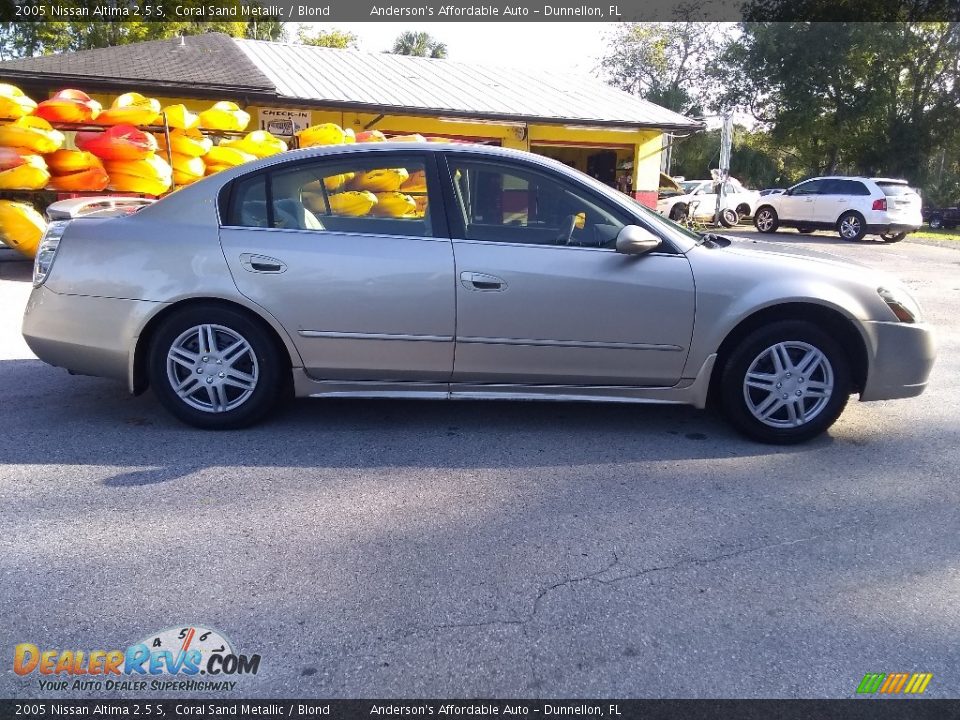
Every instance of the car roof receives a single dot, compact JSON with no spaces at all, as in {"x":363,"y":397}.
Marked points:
{"x":857,"y":177}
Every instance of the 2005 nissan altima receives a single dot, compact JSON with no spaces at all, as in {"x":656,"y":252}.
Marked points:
{"x":457,"y":271}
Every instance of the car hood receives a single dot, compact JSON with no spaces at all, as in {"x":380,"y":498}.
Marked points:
{"x":757,"y":248}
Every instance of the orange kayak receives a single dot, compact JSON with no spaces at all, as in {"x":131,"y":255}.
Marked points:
{"x":69,"y":106}
{"x":120,"y":142}
{"x":131,"y":109}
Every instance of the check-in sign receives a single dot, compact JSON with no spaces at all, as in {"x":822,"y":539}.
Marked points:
{"x":280,"y":121}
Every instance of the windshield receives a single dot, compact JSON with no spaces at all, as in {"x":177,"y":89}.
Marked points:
{"x":690,"y":185}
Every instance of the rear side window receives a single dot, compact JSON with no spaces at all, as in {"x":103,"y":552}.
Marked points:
{"x":844,"y":187}
{"x":385,"y":195}
{"x":894,"y":189}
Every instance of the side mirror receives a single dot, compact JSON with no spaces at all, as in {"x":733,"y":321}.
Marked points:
{"x":635,"y":240}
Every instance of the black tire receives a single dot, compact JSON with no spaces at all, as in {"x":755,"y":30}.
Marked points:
{"x":804,"y":230}
{"x":766,"y":217}
{"x":936,"y":222}
{"x":892,"y":237}
{"x":734,"y":393}
{"x":678,"y":212}
{"x":851,"y":226}
{"x":743,"y":210}
{"x":729,"y":218}
{"x":269,"y":369}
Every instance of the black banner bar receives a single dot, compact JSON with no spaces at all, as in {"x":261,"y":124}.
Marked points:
{"x":419,"y":11}
{"x":854,"y":709}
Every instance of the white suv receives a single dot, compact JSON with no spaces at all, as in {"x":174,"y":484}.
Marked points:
{"x":853,"y":206}
{"x":702,"y":195}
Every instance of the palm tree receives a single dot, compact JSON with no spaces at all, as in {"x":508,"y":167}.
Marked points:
{"x":419,"y":44}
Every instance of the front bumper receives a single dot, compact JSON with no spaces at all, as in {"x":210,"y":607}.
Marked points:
{"x":903,"y":356}
{"x":86,"y":335}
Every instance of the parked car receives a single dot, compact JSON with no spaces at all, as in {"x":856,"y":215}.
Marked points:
{"x":772,"y":191}
{"x":507,"y":275}
{"x":946,"y":218}
{"x":853,"y":206}
{"x":701,"y":195}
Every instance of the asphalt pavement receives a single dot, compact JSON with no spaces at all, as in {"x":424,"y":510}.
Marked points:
{"x":490,"y":549}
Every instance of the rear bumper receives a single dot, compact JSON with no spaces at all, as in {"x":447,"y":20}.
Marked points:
{"x":86,"y":335}
{"x":893,"y":228}
{"x":902,"y":359}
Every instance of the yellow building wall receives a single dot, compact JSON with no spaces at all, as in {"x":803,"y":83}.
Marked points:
{"x":644,"y":145}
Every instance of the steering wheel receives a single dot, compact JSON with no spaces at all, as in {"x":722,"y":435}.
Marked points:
{"x":566,"y":237}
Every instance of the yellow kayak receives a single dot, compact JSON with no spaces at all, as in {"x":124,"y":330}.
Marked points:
{"x":21,"y":227}
{"x":13,"y":103}
{"x":225,"y":115}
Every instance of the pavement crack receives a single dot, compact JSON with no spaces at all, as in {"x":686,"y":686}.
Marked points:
{"x":631,"y":573}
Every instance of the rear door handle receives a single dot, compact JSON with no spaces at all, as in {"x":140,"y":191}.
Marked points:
{"x":482,"y":282}
{"x":261,"y":263}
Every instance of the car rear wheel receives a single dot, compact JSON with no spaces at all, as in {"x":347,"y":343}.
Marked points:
{"x":216,"y":368}
{"x":892,"y":237}
{"x":743,"y":210}
{"x":851,"y":226}
{"x":785,"y":383}
{"x":766,"y":220}
{"x":936,"y":222}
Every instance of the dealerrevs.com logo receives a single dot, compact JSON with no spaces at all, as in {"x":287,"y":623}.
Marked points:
{"x":174,"y":659}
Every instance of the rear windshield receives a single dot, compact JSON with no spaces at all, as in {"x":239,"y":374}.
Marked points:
{"x":890,"y":188}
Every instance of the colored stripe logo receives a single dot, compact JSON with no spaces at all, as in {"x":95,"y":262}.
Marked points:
{"x":894,"y":683}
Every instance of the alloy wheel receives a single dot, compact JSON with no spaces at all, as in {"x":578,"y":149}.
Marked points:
{"x":788,"y":384}
{"x":212,"y":368}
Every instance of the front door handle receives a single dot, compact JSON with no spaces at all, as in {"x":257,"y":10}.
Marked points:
{"x":261,"y":263}
{"x":482,"y":282}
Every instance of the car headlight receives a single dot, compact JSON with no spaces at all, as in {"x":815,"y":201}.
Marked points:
{"x":901,"y":304}
{"x":47,"y":251}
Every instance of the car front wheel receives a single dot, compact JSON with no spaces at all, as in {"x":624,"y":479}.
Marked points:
{"x":785,"y":383}
{"x":215,"y":368}
{"x":892,"y":237}
{"x":766,"y":220}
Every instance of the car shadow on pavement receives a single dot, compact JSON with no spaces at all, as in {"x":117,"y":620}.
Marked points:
{"x":56,"y":418}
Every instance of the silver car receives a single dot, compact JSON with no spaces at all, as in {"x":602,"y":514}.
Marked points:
{"x":460,"y":272}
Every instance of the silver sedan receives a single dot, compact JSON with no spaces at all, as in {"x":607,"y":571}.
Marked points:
{"x":460,"y":272}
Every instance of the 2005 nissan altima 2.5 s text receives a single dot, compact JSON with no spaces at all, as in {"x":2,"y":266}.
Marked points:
{"x":456,"y":271}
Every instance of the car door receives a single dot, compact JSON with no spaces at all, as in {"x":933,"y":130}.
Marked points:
{"x":797,"y":204}
{"x":358,"y":272}
{"x":543,"y":297}
{"x":837,"y":196}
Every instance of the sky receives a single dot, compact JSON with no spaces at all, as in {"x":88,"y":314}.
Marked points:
{"x":573,"y":46}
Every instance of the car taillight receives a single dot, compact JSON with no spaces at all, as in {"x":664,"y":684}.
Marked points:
{"x":49,"y":244}
{"x":880,"y":204}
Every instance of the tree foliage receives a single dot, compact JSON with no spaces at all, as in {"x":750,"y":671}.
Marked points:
{"x":665,"y":62}
{"x":420,"y":44}
{"x":332,"y":38}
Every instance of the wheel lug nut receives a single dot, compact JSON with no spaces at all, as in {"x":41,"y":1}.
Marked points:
{"x":210,"y":379}
{"x":788,"y":374}
{"x":200,"y":371}
{"x":799,"y":393}
{"x":220,"y":362}
{"x":800,"y":380}
{"x":222,"y":375}
{"x":785,"y":396}
{"x":779,"y":385}
{"x":205,"y":358}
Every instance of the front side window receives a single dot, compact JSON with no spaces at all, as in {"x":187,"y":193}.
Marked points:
{"x":510,"y":204}
{"x":368,"y":195}
{"x":810,"y":187}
